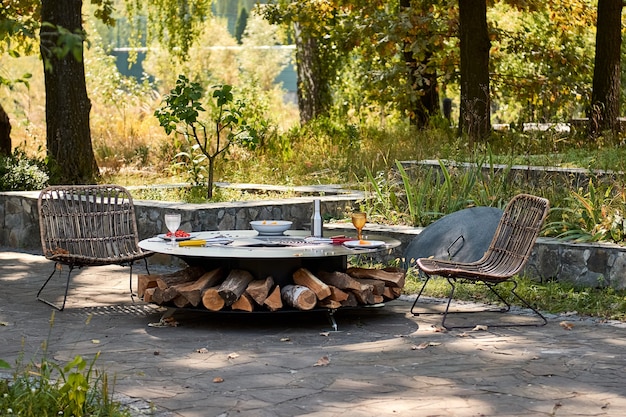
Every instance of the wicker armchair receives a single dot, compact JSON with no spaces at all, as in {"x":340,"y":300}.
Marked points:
{"x":507,"y":254}
{"x":88,"y":225}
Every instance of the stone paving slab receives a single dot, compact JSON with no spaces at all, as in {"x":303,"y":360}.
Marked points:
{"x":268,"y":361}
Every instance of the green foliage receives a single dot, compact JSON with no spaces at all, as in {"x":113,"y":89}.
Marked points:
{"x":47,"y":389}
{"x":592,"y":216}
{"x":226,"y":126}
{"x":552,"y":296}
{"x":533,"y":56}
{"x":424,"y":195}
{"x":18,"y":172}
{"x":177,"y":24}
{"x":183,"y":105}
{"x":19,"y":24}
{"x":66,"y":42}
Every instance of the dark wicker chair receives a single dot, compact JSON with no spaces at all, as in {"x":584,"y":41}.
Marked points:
{"x":507,"y":254}
{"x":88,"y":225}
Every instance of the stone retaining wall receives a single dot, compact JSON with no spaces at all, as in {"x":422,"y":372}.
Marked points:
{"x":537,"y":176}
{"x":20,"y":220}
{"x":586,"y":265}
{"x":583,"y":264}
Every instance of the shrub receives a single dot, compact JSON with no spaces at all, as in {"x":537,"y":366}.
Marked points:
{"x":44,"y":388}
{"x":78,"y":390}
{"x":19,"y":172}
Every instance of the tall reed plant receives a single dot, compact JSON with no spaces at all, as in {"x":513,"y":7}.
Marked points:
{"x":594,"y":215}
{"x":425,"y":194}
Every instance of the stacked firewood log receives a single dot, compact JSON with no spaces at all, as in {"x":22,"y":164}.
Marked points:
{"x":219,"y":289}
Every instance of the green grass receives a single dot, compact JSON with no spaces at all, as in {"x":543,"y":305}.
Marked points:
{"x":43,"y":387}
{"x":553,"y":297}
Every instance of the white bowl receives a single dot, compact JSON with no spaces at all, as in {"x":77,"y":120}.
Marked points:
{"x":271,"y":227}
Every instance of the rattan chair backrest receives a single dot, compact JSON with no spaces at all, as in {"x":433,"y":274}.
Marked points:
{"x":515,"y":235}
{"x":88,"y":224}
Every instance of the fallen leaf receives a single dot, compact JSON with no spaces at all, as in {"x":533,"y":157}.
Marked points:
{"x":323,"y":361}
{"x":325,"y":334}
{"x":95,"y":341}
{"x":233,"y":355}
{"x":480,"y":327}
{"x":202,"y":350}
{"x":566,"y":325}
{"x":421,"y":346}
{"x":438,"y":329}
{"x":218,"y":379}
{"x":166,"y":322}
{"x":285,"y":339}
{"x":3,"y":323}
{"x":424,"y":345}
{"x":464,"y":334}
{"x":171,"y":321}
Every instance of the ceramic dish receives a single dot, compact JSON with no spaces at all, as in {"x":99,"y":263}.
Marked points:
{"x":364,"y":244}
{"x":271,"y":227}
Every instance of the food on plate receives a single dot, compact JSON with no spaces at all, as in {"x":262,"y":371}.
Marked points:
{"x":179,"y":233}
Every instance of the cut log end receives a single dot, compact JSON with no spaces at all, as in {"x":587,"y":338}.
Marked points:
{"x":299,"y":297}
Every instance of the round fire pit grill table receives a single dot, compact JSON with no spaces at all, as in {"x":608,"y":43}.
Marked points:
{"x":263,"y":256}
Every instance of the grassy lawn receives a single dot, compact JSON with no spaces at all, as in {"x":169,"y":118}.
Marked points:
{"x":552,"y":297}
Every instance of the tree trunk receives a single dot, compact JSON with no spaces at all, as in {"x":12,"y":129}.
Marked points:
{"x":5,"y":133}
{"x":313,"y":88}
{"x":474,"y":120}
{"x":210,"y":180}
{"x":68,"y":134}
{"x":605,"y":96}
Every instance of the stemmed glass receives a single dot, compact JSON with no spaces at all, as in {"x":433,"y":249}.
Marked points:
{"x":359,"y":220}
{"x":172,"y":222}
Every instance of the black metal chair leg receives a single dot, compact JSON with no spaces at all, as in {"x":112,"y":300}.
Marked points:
{"x":419,"y":295}
{"x":67,"y":286}
{"x":527,"y":304}
{"x":491,"y":286}
{"x":130,"y":281}
{"x":497,"y":294}
{"x":502,"y":310}
{"x":450,"y":296}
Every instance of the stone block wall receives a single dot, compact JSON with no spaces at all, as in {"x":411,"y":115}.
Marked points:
{"x":19,"y":219}
{"x":537,"y":176}
{"x":586,"y":265}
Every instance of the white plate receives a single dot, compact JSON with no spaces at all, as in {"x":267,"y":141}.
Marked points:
{"x":178,"y":239}
{"x":364,"y":243}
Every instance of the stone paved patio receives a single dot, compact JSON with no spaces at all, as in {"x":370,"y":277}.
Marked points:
{"x":382,"y":362}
